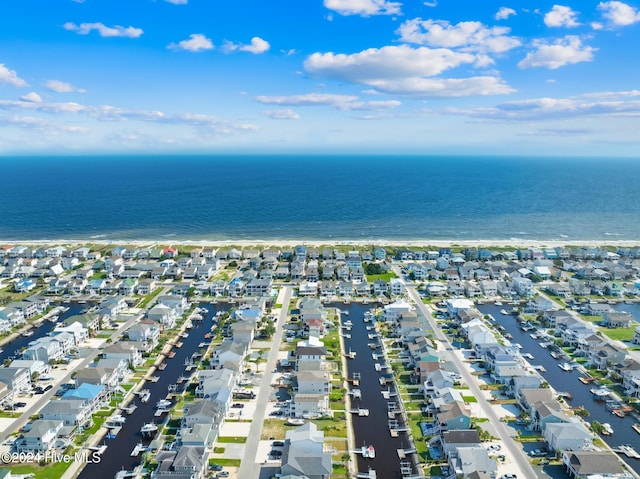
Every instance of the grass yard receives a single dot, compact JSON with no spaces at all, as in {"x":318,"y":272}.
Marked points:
{"x":225,"y":462}
{"x":232,"y":439}
{"x":619,"y":334}
{"x":385,"y":277}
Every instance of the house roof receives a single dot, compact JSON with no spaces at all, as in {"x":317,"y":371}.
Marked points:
{"x":84,"y":391}
{"x":590,"y":462}
{"x":462,"y":436}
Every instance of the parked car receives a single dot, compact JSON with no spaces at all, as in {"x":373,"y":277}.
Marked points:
{"x":276,"y":453}
{"x":277,"y":443}
{"x":215,"y":467}
{"x":19,"y":404}
{"x":223,"y":474}
{"x":237,"y":405}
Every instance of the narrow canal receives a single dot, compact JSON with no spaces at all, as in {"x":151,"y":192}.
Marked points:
{"x":567,"y":381}
{"x":372,"y":429}
{"x":11,"y":350}
{"x":118,"y":456}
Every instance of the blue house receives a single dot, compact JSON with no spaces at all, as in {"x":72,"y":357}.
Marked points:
{"x":24,"y":285}
{"x":91,"y":395}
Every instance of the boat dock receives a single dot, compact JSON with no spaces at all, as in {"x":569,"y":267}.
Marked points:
{"x":627,"y":451}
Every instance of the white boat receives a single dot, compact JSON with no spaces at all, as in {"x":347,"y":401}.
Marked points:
{"x":607,"y":430}
{"x":163,"y":404}
{"x":53,"y":319}
{"x":544,"y":345}
{"x":27,"y":333}
{"x":565,"y":366}
{"x":348,"y":323}
{"x":527,"y":355}
{"x":368,"y":452}
{"x":145,"y":395}
{"x":600,"y":393}
{"x":504,"y":311}
{"x":118,"y":419}
{"x":362,"y":412}
{"x":148,"y":429}
{"x":378,"y":367}
{"x":518,"y":345}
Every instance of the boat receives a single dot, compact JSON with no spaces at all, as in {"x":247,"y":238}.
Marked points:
{"x":148,"y":429}
{"x":378,"y":367}
{"x":163,"y":404}
{"x":498,"y":303}
{"x":162,"y":366}
{"x":518,"y":345}
{"x":53,"y":319}
{"x":154,"y":379}
{"x":544,"y":345}
{"x":27,"y":333}
{"x":363,"y":412}
{"x":636,"y":427}
{"x":504,"y":311}
{"x":368,"y":452}
{"x":351,"y":354}
{"x":145,"y":394}
{"x":600,"y":393}
{"x":565,"y":366}
{"x":348,"y":323}
{"x":527,"y":355}
{"x":294,"y":422}
{"x":118,"y":419}
{"x":98,"y":449}
{"x":607,"y":430}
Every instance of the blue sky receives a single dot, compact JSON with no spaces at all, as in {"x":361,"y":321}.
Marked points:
{"x":320,"y":76}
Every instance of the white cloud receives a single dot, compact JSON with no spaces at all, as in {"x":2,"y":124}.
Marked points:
{"x":35,"y":123}
{"x":618,"y":13}
{"x":370,"y":105}
{"x":103,"y":30}
{"x":468,"y":36}
{"x":289,"y":52}
{"x":62,"y":87}
{"x":339,"y":102}
{"x":561,"y":16}
{"x":10,"y":77}
{"x":257,"y":45}
{"x":283,"y":114}
{"x":504,"y":13}
{"x":430,"y":4}
{"x":402,"y":70}
{"x":310,"y":99}
{"x":177,"y":2}
{"x":116,"y":114}
{"x":555,"y":108}
{"x":196,"y":43}
{"x":363,"y":8}
{"x":32,"y":97}
{"x":613,"y":94}
{"x":564,"y":51}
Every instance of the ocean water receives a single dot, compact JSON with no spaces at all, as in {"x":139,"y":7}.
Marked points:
{"x":333,"y":198}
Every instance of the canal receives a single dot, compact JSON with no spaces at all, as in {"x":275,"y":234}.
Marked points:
{"x":372,"y":429}
{"x":11,"y":350}
{"x":117,"y":456}
{"x":567,"y":381}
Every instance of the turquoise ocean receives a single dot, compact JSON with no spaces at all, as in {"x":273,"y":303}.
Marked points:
{"x":333,"y":198}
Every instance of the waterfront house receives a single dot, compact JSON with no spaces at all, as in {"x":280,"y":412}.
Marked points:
{"x":35,"y":367}
{"x":526,"y":398}
{"x":202,"y":412}
{"x":631,"y":379}
{"x":523,"y":286}
{"x":98,"y":376}
{"x":605,"y":355}
{"x":310,"y":355}
{"x":552,"y":316}
{"x":164,"y":315}
{"x":178,"y":303}
{"x":452,"y":440}
{"x":229,"y":351}
{"x":394,"y":310}
{"x":518,"y":383}
{"x":591,"y":464}
{"x":572,"y":435}
{"x":309,"y":405}
{"x":303,"y":454}
{"x":203,"y":435}
{"x":397,"y":286}
{"x":616,"y":319}
{"x":312,"y":382}
{"x":113,"y":306}
{"x":126,"y":350}
{"x":539,"y":304}
{"x":46,"y":349}
{"x":40,"y":438}
{"x":91,"y":395}
{"x":473,"y":459}
{"x":545,"y":413}
{"x":145,"y":331}
{"x":70,"y":411}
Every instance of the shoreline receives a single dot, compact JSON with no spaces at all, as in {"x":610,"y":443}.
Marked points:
{"x":514,"y":242}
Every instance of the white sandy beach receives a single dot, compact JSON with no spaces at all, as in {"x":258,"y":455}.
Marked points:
{"x":511,"y":243}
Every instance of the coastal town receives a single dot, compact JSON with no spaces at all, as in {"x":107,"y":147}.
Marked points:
{"x":189,"y":361}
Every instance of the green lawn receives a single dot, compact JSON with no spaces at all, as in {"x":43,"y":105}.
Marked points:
{"x":620,"y":334}
{"x":225,"y":462}
{"x":232,"y":439}
{"x":385,"y":276}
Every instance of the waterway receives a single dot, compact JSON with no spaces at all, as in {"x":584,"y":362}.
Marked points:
{"x":373,"y":429}
{"x":567,"y":381}
{"x":117,"y":456}
{"x":10,"y":349}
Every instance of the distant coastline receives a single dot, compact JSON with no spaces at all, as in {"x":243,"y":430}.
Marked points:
{"x":515,"y":243}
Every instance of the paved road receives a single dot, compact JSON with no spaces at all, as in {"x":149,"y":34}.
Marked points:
{"x":46,"y":397}
{"x":500,"y":428}
{"x":249,"y":468}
